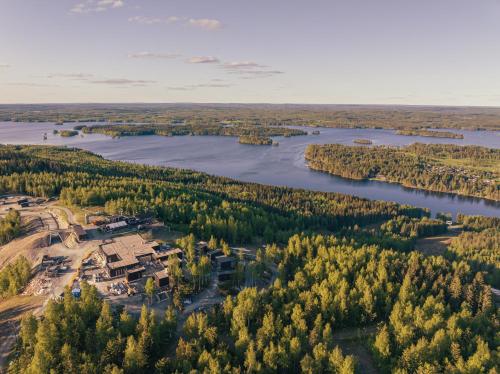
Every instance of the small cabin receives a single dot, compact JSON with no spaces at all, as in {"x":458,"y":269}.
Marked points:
{"x":161,"y":279}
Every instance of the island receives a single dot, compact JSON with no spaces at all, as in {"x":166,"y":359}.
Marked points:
{"x":362,"y":141}
{"x":256,"y":140}
{"x":68,"y":133}
{"x":430,"y":133}
{"x":464,"y":170}
{"x":246,"y":134}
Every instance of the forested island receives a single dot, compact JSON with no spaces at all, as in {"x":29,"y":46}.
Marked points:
{"x":465,"y":170}
{"x":68,"y":133}
{"x":250,"y":134}
{"x":430,"y":133}
{"x":256,"y":140}
{"x":362,"y":141}
{"x":360,"y":276}
{"x":335,"y":116}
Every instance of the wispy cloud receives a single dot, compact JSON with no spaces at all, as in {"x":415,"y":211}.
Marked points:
{"x":90,"y":6}
{"x":202,"y":23}
{"x":203,"y":60}
{"x":153,"y":20}
{"x":191,"y":87}
{"x":153,"y":55}
{"x":237,"y":65}
{"x":31,"y":84}
{"x":90,"y":78}
{"x":75,"y":76}
{"x":250,"y":74}
{"x":123,"y":82}
{"x":249,"y":69}
{"x":205,"y":23}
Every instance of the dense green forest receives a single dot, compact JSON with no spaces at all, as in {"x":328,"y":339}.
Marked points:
{"x":10,"y":226}
{"x":87,"y":336}
{"x":423,"y":314}
{"x":14,"y":277}
{"x":345,"y":116}
{"x":218,"y":129}
{"x":479,"y":245}
{"x":432,"y":316}
{"x":430,"y":133}
{"x":191,"y":201}
{"x":465,"y":170}
{"x":256,"y":140}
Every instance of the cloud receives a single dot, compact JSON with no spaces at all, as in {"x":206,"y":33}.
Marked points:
{"x":249,"y":74}
{"x":74,"y":76}
{"x":4,"y":66}
{"x":249,"y":69}
{"x":152,"y":20}
{"x":236,"y":65}
{"x":122,"y":82}
{"x":191,"y":87}
{"x":202,"y":23}
{"x":153,"y":55}
{"x":203,"y":60}
{"x":205,"y":23}
{"x":90,"y":78}
{"x":31,"y":84}
{"x":91,"y":6}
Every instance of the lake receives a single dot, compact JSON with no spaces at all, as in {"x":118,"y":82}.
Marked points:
{"x":283,"y":165}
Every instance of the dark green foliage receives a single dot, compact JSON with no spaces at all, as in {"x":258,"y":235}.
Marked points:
{"x":219,"y":129}
{"x":68,"y":133}
{"x":85,"y":336}
{"x":257,"y":140}
{"x":9,"y":226}
{"x":193,"y":202}
{"x":419,"y":165}
{"x":414,"y":227}
{"x":481,"y":250}
{"x":431,"y":134}
{"x":14,"y":277}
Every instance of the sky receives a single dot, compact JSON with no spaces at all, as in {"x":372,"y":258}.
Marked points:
{"x":425,"y":52}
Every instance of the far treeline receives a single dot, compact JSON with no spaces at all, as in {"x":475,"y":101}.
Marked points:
{"x":343,"y":116}
{"x":464,"y":170}
{"x":189,"y":201}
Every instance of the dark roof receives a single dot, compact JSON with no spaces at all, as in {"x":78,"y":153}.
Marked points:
{"x":136,"y":270}
{"x":79,"y":230}
{"x":225,"y":259}
{"x":161,"y":274}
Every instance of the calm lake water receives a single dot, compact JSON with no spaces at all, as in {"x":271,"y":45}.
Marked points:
{"x":283,"y":165}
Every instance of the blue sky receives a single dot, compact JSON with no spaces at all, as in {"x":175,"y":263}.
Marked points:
{"x":440,"y":52}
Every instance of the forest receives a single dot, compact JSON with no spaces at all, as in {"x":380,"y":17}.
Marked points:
{"x":255,"y":140}
{"x":421,"y":314}
{"x":429,"y":314}
{"x":217,"y":129}
{"x":10,"y":226}
{"x":342,"y":116}
{"x":14,"y":276}
{"x":189,"y":201}
{"x":464,"y":170}
{"x":430,"y":133}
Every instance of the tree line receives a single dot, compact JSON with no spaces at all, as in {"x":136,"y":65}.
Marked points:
{"x":435,"y":167}
{"x":192,"y":202}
